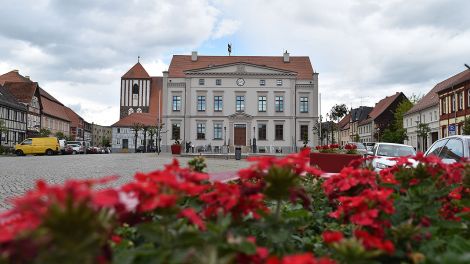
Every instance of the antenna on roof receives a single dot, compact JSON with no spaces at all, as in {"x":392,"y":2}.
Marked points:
{"x":138,"y":59}
{"x":229,"y":48}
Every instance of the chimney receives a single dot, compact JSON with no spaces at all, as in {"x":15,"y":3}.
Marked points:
{"x":194,"y":56}
{"x":286,"y":56}
{"x":15,"y":71}
{"x":27,"y":77}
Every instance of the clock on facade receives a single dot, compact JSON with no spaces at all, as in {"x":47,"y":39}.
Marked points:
{"x":240,"y":82}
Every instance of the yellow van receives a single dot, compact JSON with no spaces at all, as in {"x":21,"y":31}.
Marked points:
{"x":40,"y":145}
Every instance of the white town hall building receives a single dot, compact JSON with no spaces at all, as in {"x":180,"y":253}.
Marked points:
{"x":216,"y":101}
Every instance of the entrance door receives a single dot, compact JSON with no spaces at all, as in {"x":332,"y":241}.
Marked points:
{"x":125,"y":143}
{"x":239,"y":138}
{"x":434,"y":137}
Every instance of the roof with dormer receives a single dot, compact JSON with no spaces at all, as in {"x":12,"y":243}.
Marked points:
{"x":136,"y":72}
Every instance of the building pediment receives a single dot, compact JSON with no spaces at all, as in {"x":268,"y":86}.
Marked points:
{"x":240,"y":68}
{"x":240,"y":116}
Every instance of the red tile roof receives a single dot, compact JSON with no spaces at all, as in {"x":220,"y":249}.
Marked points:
{"x":155,"y":107}
{"x":73,"y":117}
{"x":22,"y":91}
{"x":13,"y":76}
{"x":43,"y":93}
{"x":53,"y":108}
{"x":137,"y":118}
{"x":136,"y":72}
{"x":181,"y":63}
{"x":345,"y":121}
{"x":431,"y":98}
{"x":380,"y":107}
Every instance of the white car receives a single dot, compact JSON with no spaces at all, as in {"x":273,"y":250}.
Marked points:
{"x":450,"y":149}
{"x":385,"y":152}
{"x":77,"y":149}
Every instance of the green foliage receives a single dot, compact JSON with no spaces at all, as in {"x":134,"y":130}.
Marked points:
{"x":402,"y":108}
{"x":106,"y":142}
{"x":394,"y":136}
{"x":466,"y":126}
{"x":338,"y":111}
{"x":357,"y":138}
{"x":197,"y":164}
{"x":60,"y":135}
{"x":44,"y":132}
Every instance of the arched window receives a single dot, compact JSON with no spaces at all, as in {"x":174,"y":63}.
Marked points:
{"x":135,"y":89}
{"x":139,"y":110}
{"x":131,"y":111}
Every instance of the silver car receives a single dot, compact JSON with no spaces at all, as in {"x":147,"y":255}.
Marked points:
{"x":385,"y":152}
{"x":450,"y":149}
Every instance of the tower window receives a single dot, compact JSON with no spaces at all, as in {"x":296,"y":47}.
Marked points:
{"x":135,"y":89}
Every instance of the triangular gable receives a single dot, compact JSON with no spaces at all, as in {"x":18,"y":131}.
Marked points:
{"x":136,"y":72}
{"x":240,"y":68}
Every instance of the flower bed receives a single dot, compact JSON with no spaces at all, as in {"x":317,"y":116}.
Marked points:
{"x":279,"y":211}
{"x":332,"y":162}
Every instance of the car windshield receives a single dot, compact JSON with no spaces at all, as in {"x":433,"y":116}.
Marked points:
{"x":395,"y":151}
{"x":359,"y":145}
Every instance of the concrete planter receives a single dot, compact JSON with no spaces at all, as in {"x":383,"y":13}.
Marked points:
{"x":332,"y":162}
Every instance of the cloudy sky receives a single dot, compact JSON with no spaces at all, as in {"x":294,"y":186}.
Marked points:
{"x":363,"y":49}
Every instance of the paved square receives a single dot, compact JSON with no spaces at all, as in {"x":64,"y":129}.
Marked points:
{"x":18,"y":174}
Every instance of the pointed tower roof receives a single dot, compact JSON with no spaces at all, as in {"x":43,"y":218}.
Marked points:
{"x":136,"y":72}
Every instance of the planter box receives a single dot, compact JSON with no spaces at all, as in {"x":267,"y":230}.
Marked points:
{"x":331,"y":162}
{"x":176,"y":149}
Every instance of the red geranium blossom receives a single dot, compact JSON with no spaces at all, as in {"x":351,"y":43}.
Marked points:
{"x":332,"y":236}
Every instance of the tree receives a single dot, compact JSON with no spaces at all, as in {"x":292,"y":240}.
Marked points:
{"x":396,"y":133}
{"x":336,"y":113}
{"x":44,"y":132}
{"x":466,"y":126}
{"x":3,"y":129}
{"x":136,"y":127}
{"x":105,"y":142}
{"x":152,"y":132}
{"x":60,"y":135}
{"x":357,"y":138}
{"x":423,"y":131}
{"x":145,"y":129}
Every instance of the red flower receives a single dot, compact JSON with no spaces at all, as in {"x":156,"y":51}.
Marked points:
{"x":332,"y":236}
{"x":193,"y":217}
{"x":305,"y":258}
{"x":373,"y":242}
{"x":116,"y":239}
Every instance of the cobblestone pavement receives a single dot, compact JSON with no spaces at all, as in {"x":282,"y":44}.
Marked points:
{"x":18,"y":174}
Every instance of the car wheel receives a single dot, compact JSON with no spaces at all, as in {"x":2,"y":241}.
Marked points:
{"x":74,"y":152}
{"x":49,"y":152}
{"x":19,"y":153}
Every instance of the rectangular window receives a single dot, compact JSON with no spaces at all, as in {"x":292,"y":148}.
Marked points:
{"x":201,"y":103}
{"x":279,"y":82}
{"x":443,"y":105}
{"x":262,"y":103}
{"x":303,"y":132}
{"x":279,"y":132}
{"x":304,"y":104}
{"x":453,"y":103}
{"x":176,"y":103}
{"x":261,"y":131}
{"x":217,"y":131}
{"x":468,"y":98}
{"x":218,"y":82}
{"x":435,"y":115}
{"x":461,"y":101}
{"x":176,"y":131}
{"x":263,"y":83}
{"x":201,"y":81}
{"x":201,"y":131}
{"x":279,"y":104}
{"x":240,"y":103}
{"x":218,"y":103}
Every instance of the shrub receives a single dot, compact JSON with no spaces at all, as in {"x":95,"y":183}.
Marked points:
{"x":278,"y":211}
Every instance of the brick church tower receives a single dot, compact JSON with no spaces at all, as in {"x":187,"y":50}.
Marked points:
{"x":135,"y":91}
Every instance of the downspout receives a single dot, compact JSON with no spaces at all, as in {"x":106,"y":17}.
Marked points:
{"x":295,"y":117}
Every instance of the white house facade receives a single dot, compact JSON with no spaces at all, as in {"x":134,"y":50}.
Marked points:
{"x":216,"y":101}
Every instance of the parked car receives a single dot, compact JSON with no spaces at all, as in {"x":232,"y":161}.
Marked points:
{"x":140,"y":149}
{"x":384,"y":152}
{"x":67,"y":150}
{"x":76,"y":148}
{"x":450,"y":149}
{"x":361,"y":149}
{"x":369,"y":145}
{"x":40,"y":145}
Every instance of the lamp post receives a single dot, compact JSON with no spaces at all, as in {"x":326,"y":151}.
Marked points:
{"x":417,"y":134}
{"x":225,"y":142}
